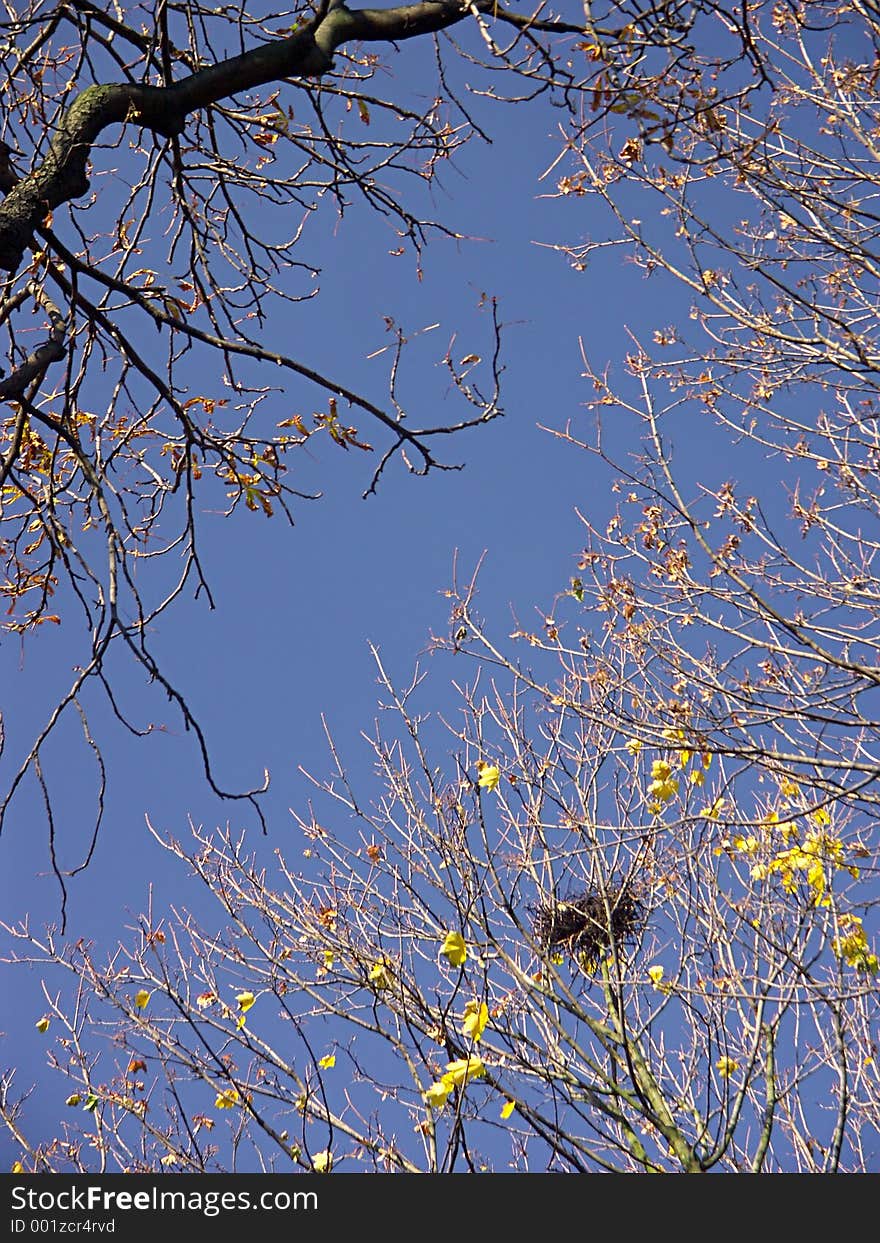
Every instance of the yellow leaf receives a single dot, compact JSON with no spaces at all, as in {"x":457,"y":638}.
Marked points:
{"x":141,"y":998}
{"x":42,"y":1025}
{"x":726,"y":1067}
{"x":245,"y":1001}
{"x":73,"y":1100}
{"x":489,"y":777}
{"x":746,"y":845}
{"x":664,"y":788}
{"x":460,"y":1072}
{"x":476,"y":1016}
{"x":328,"y":1062}
{"x":169,"y":1159}
{"x":507,"y":1110}
{"x":437,"y":1095}
{"x":655,"y":975}
{"x":852,"y":945}
{"x":454,"y":949}
{"x":17,"y":1168}
{"x":713,"y":812}
{"x":226,"y":1099}
{"x":380,"y":975}
{"x":322,"y":1162}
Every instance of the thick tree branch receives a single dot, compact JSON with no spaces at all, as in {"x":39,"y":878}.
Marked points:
{"x":307,"y":52}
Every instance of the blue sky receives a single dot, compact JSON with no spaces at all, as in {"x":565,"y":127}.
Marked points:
{"x":296,"y":609}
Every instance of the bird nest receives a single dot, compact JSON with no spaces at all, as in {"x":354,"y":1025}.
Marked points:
{"x":586,"y":924}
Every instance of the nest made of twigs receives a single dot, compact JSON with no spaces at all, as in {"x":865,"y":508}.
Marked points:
{"x":586,"y":924}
